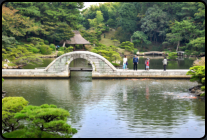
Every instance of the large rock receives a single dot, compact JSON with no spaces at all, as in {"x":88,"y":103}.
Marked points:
{"x":196,"y":90}
{"x":10,"y":67}
{"x":193,"y":91}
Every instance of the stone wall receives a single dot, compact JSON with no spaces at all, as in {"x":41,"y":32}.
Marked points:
{"x":160,"y":74}
{"x":38,"y":73}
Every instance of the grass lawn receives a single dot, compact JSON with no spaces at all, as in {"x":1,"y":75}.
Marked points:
{"x":107,"y":40}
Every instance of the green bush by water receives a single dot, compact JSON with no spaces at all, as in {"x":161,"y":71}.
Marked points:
{"x":60,"y":53}
{"x":45,"y":49}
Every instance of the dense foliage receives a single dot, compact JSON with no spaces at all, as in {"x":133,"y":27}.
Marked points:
{"x":41,"y":120}
{"x":109,"y":53}
{"x":198,"y":74}
{"x":149,"y":26}
{"x":179,"y":25}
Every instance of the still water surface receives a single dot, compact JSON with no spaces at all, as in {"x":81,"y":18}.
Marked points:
{"x":120,"y":107}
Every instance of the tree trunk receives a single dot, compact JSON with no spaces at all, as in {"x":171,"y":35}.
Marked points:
{"x":64,"y":44}
{"x":26,"y":36}
{"x":74,"y":47}
{"x":155,"y":39}
{"x":130,"y":39}
{"x":178,"y":46}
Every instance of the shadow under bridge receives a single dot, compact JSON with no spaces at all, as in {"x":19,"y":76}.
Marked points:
{"x":80,"y":69}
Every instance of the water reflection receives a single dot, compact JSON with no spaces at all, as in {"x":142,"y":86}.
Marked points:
{"x":118,"y":108}
{"x":147,"y":92}
{"x":124,"y":94}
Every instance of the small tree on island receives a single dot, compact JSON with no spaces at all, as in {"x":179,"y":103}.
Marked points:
{"x":47,"y":118}
{"x":127,"y":46}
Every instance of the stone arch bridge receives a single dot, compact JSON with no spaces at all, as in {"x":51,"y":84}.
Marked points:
{"x":61,"y":64}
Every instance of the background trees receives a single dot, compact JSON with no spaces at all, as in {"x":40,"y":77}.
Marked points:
{"x":175,"y":25}
{"x":160,"y":22}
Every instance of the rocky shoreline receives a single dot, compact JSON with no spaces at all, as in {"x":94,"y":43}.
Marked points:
{"x":196,"y":90}
{"x":3,"y":94}
{"x":12,"y":67}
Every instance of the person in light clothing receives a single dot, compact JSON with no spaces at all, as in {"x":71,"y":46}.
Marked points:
{"x":124,"y":62}
{"x":164,"y":63}
{"x":147,"y":64}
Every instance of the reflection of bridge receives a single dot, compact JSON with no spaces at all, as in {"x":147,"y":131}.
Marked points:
{"x":101,"y":68}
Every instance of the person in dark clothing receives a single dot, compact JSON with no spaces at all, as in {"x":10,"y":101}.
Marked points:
{"x":135,"y":62}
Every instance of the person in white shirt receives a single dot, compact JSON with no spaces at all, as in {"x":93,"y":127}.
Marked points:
{"x":124,"y":62}
{"x":164,"y":63}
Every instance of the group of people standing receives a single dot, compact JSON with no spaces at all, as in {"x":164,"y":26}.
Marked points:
{"x":147,"y":62}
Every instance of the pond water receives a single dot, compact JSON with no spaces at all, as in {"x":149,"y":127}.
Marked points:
{"x":155,"y":63}
{"x":118,"y":108}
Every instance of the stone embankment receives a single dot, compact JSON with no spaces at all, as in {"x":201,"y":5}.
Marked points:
{"x":196,"y":90}
{"x":48,"y":56}
{"x":43,"y":73}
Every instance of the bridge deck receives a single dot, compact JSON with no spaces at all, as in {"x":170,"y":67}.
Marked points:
{"x":119,"y":73}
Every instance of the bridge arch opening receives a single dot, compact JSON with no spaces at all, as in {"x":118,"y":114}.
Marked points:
{"x":80,"y":67}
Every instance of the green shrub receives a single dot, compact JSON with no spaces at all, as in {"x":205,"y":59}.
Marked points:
{"x":46,"y":42}
{"x":68,"y":49}
{"x":127,"y":46}
{"x":172,"y":55}
{"x":52,"y":46}
{"x":60,"y":53}
{"x":45,"y":49}
{"x":2,"y":81}
{"x":35,"y":50}
{"x":41,"y":43}
{"x":35,"y":40}
{"x":203,"y":94}
{"x":203,"y":88}
{"x":28,"y":39}
{"x":115,"y":64}
{"x":61,"y":48}
{"x":198,"y":74}
{"x":135,"y":51}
